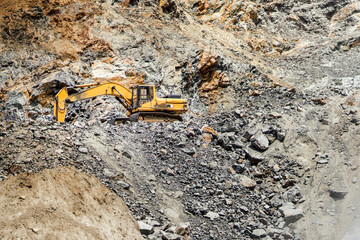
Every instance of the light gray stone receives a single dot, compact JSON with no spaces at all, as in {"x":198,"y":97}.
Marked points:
{"x":212,"y":215}
{"x":260,"y":142}
{"x":291,"y":213}
{"x":83,"y":150}
{"x":258,"y":233}
{"x":145,"y":229}
{"x":246,"y":181}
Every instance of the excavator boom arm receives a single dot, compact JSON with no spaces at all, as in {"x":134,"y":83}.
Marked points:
{"x":113,"y":89}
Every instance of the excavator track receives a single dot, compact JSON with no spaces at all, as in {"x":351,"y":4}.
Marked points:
{"x":155,"y":117}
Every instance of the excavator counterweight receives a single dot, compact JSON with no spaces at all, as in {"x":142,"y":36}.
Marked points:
{"x":141,"y":101}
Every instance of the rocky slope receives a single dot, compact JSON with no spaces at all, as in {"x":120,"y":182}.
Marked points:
{"x":277,"y":82}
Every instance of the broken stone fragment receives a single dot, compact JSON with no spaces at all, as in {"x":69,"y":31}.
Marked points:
{"x":246,"y":181}
{"x":258,"y":233}
{"x":239,"y":168}
{"x":320,"y":101}
{"x":280,"y":136}
{"x":338,"y":192}
{"x":255,"y":93}
{"x":237,"y":144}
{"x":83,"y":150}
{"x":145,"y":229}
{"x":189,"y":150}
{"x":124,"y":185}
{"x":167,"y":171}
{"x":108,"y":173}
{"x":254,"y":156}
{"x":249,"y":133}
{"x":16,"y":99}
{"x":126,"y":154}
{"x":118,"y":148}
{"x":275,"y":115}
{"x":212,"y":215}
{"x":322,"y":161}
{"x":260,"y":142}
{"x":291,"y":213}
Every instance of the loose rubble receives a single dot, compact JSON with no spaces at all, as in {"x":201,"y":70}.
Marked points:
{"x":273,"y":89}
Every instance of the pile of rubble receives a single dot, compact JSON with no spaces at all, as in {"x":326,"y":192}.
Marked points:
{"x":213,"y":177}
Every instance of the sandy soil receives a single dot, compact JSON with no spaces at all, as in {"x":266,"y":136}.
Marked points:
{"x":62,"y":203}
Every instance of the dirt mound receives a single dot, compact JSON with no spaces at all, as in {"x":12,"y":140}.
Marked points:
{"x":43,"y":205}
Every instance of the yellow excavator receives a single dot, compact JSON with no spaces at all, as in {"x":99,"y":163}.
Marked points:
{"x":140,"y":101}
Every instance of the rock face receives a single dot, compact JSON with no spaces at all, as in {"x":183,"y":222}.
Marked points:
{"x":269,"y":84}
{"x":67,"y":203}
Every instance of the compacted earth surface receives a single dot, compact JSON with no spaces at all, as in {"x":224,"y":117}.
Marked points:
{"x":268,"y":149}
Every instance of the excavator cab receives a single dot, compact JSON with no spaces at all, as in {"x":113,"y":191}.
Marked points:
{"x":141,"y":95}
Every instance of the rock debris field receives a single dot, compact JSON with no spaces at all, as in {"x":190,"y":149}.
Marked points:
{"x":268,"y":149}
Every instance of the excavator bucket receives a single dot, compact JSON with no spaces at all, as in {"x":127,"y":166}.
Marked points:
{"x":60,"y":105}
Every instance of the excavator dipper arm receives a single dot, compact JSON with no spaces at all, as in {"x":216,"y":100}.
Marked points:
{"x":114,"y":89}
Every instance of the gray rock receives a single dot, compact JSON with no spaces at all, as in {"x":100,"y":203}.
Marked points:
{"x":354,"y":180}
{"x":126,"y":154}
{"x":156,"y":235}
{"x":189,"y":150}
{"x":281,"y":225}
{"x":145,"y":229}
{"x":108,"y":173}
{"x":118,"y":148}
{"x":237,"y":112}
{"x":169,"y":236}
{"x":260,"y":142}
{"x":83,"y":150}
{"x":16,"y":99}
{"x":292,"y":195}
{"x":273,"y":231}
{"x":254,"y":156}
{"x":275,"y":115}
{"x":246,"y":181}
{"x":181,"y":144}
{"x":167,"y":171}
{"x":338,"y":192}
{"x":322,"y":161}
{"x":28,"y":160}
{"x":239,"y":168}
{"x":287,"y":235}
{"x":37,"y":135}
{"x":249,"y":133}
{"x":237,"y":144}
{"x":258,"y":233}
{"x":151,"y":178}
{"x":280,"y":136}
{"x":124,"y":185}
{"x":291,"y":213}
{"x":212,"y":215}
{"x":244,"y":209}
